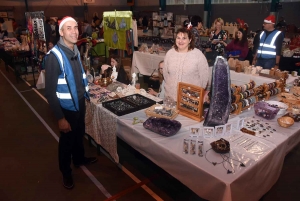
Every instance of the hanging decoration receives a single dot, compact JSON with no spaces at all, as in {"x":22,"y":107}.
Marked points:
{"x":115,"y":37}
{"x":242,"y":24}
{"x":35,"y":24}
{"x":116,"y":23}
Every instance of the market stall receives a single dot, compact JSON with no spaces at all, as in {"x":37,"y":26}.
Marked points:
{"x":145,"y":63}
{"x":252,"y":166}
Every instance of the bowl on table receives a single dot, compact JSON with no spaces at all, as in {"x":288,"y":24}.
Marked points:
{"x":282,"y":107}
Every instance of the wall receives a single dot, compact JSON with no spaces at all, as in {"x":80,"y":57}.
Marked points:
{"x":253,"y":14}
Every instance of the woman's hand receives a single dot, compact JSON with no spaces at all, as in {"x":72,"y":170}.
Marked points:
{"x":104,"y":67}
{"x":152,"y":92}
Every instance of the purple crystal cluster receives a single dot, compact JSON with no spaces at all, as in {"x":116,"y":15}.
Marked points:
{"x":220,"y":102}
{"x":265,"y":110}
{"x":162,"y":126}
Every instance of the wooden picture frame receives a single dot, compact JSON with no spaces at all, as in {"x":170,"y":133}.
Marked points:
{"x":190,"y":101}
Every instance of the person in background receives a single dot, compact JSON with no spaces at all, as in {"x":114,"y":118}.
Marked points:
{"x":196,"y":22}
{"x":184,"y":63}
{"x":107,"y":70}
{"x":18,"y":32}
{"x":66,"y":96}
{"x":240,"y":43}
{"x":50,"y":45}
{"x":270,"y":44}
{"x":96,"y":23}
{"x":281,"y":23}
{"x":3,"y":28}
{"x":217,"y":35}
{"x":187,"y":24}
{"x":48,"y":30}
{"x":87,"y":29}
{"x":14,"y":24}
{"x":161,"y":93}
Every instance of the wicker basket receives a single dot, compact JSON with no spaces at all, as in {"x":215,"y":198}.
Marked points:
{"x":150,"y":113}
{"x":285,"y":121}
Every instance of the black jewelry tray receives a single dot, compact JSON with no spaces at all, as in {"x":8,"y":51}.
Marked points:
{"x":128,"y":104}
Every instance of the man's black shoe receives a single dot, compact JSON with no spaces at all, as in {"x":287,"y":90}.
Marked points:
{"x":68,"y":182}
{"x":86,"y":161}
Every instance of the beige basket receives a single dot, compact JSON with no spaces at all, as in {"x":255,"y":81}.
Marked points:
{"x":150,"y":113}
{"x":285,"y":121}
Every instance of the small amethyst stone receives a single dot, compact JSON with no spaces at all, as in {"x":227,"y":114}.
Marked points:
{"x":162,"y":126}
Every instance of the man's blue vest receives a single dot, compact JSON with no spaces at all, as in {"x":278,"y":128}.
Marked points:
{"x":66,"y":90}
{"x":267,"y":48}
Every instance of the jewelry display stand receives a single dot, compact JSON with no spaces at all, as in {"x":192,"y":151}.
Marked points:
{"x":190,"y":101}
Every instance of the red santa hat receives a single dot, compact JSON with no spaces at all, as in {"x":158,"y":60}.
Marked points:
{"x":64,"y":20}
{"x":270,"y":19}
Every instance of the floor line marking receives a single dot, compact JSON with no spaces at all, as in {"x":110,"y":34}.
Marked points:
{"x":87,"y":172}
{"x":36,"y":91}
{"x":145,"y":187}
{"x":125,"y":170}
{"x":128,"y":190}
{"x":25,"y":90}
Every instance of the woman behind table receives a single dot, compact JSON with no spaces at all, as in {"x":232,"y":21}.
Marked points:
{"x":217,"y":35}
{"x":161,"y":93}
{"x":196,"y":22}
{"x":107,"y":70}
{"x":184,"y":63}
{"x":240,"y":43}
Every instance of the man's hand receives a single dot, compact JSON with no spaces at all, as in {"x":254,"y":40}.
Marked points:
{"x":64,"y":125}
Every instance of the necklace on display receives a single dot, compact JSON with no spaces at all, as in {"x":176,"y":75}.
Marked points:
{"x":225,"y":158}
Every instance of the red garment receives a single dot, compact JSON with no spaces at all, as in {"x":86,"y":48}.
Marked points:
{"x":237,"y":46}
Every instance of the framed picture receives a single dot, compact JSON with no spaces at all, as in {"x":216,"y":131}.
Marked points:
{"x":208,"y":132}
{"x":195,"y":130}
{"x":228,"y":128}
{"x":219,"y":131}
{"x":190,"y":101}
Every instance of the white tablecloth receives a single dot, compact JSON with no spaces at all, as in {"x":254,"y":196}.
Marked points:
{"x":263,"y":166}
{"x":145,"y":63}
{"x":208,"y":181}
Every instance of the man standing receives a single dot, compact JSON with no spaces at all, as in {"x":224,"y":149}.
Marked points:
{"x":66,"y":91}
{"x":270,"y":43}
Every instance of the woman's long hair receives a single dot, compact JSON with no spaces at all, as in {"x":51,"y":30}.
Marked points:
{"x":244,"y":37}
{"x":118,"y":60}
{"x":217,"y":20}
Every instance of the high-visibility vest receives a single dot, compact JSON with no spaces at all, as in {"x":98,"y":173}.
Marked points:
{"x":267,"y":48}
{"x":66,"y":90}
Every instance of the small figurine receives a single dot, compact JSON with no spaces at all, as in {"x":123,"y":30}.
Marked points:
{"x":114,"y":74}
{"x":133,"y":79}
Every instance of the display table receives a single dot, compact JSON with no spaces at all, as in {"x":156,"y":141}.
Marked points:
{"x":209,"y":181}
{"x":289,"y":64}
{"x":145,"y":63}
{"x":263,"y":163}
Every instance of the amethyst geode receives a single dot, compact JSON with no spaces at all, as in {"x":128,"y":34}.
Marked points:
{"x":162,"y":126}
{"x":220,"y":101}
